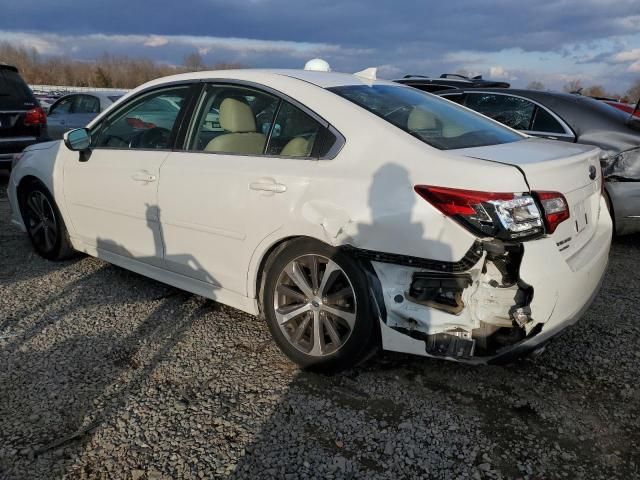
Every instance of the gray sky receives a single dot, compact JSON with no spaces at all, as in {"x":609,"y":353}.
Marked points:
{"x":597,"y":41}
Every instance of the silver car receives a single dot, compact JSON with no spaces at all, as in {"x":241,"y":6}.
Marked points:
{"x":76,"y":110}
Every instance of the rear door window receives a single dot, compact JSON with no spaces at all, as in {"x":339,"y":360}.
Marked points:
{"x":14,"y":92}
{"x":546,"y":123}
{"x":294,"y":133}
{"x":512,"y":111}
{"x":86,"y":104}
{"x":233,"y":119}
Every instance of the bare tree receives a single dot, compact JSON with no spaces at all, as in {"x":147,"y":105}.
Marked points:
{"x":573,"y":86}
{"x":106,"y":71}
{"x":633,"y":94}
{"x":595,"y":91}
{"x":102,"y":78}
{"x":535,"y":85}
{"x":193,"y":62}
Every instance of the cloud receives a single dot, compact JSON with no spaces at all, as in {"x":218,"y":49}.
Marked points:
{"x":400,"y":37}
{"x":499,"y":73}
{"x":156,"y":41}
{"x":627,"y":56}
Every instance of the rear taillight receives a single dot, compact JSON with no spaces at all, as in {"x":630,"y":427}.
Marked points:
{"x":555,"y":209}
{"x":502,"y":215}
{"x":35,"y":116}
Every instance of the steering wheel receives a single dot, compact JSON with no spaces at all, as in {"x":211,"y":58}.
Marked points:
{"x":156,"y":137}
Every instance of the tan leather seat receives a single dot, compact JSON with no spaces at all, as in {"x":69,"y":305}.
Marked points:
{"x":297,"y":147}
{"x":237,"y":118}
{"x":421,"y":120}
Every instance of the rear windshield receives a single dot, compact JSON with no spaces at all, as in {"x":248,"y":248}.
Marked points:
{"x":433,"y":120}
{"x":14,"y":93}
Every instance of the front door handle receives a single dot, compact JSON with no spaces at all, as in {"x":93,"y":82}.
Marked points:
{"x":143,"y":176}
{"x":268,"y":185}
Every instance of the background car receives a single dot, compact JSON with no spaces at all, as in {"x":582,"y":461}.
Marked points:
{"x":76,"y":110}
{"x":625,"y":107}
{"x":351,"y":213}
{"x":449,"y":81}
{"x":22,"y":120}
{"x":573,"y":118}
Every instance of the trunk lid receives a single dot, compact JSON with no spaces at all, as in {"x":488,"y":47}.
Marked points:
{"x":559,"y":167}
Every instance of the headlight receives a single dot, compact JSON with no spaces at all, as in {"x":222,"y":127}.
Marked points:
{"x":625,"y":165}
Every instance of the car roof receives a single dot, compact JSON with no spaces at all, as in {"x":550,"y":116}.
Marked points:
{"x":103,"y":94}
{"x":320,"y":79}
{"x":6,"y":66}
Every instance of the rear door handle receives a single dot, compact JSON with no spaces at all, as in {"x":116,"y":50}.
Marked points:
{"x":268,"y":185}
{"x":143,"y":177}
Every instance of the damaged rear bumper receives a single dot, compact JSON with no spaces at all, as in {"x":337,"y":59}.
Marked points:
{"x":506,"y":304}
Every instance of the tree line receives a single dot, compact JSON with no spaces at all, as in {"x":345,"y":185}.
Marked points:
{"x":108,"y":71}
{"x":116,"y":71}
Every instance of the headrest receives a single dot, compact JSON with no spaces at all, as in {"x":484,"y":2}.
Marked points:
{"x":297,"y":147}
{"x":236,"y":116}
{"x":421,"y":120}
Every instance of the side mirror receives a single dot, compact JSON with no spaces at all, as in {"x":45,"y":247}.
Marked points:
{"x":77,"y":140}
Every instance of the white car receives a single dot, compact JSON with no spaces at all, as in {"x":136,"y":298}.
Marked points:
{"x":350,"y":213}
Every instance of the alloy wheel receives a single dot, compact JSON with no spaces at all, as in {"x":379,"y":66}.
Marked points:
{"x":315,"y":305}
{"x":41,"y":221}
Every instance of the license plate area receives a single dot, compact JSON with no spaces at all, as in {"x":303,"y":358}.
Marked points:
{"x":580,"y":217}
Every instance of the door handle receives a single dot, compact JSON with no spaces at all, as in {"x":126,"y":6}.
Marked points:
{"x":268,"y":186}
{"x":143,"y":177}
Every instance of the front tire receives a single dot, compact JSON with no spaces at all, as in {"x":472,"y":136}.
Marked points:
{"x":316,"y":303}
{"x":45,"y":227}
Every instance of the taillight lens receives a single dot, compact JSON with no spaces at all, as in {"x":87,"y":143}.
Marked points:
{"x":35,"y":116}
{"x":555,"y":209}
{"x":502,"y":215}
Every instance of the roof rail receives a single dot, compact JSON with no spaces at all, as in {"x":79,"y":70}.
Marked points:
{"x":457,"y":75}
{"x":416,"y":76}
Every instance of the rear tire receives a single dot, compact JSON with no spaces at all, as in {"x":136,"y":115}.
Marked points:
{"x":45,"y":226}
{"x":317,"y":306}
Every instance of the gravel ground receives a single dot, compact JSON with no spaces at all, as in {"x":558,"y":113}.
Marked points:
{"x":106,"y":374}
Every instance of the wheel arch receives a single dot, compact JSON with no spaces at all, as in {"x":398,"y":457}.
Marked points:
{"x":23,"y":186}
{"x":258,"y":278}
{"x":612,"y":209}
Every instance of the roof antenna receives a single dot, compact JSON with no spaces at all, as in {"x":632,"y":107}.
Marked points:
{"x":368,"y":73}
{"x":317,"y":65}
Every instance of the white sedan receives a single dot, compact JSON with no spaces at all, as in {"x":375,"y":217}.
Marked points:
{"x":349,"y":213}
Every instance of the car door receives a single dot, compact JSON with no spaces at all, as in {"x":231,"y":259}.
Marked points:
{"x":111,"y":190}
{"x":247,"y":160}
{"x":521,"y":114}
{"x":58,"y":116}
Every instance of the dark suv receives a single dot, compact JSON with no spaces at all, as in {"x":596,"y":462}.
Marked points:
{"x":449,"y":81}
{"x":22,"y":120}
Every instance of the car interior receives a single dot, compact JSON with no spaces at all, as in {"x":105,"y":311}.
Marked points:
{"x":241,"y":121}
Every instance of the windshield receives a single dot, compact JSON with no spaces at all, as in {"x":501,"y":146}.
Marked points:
{"x":437,"y":122}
